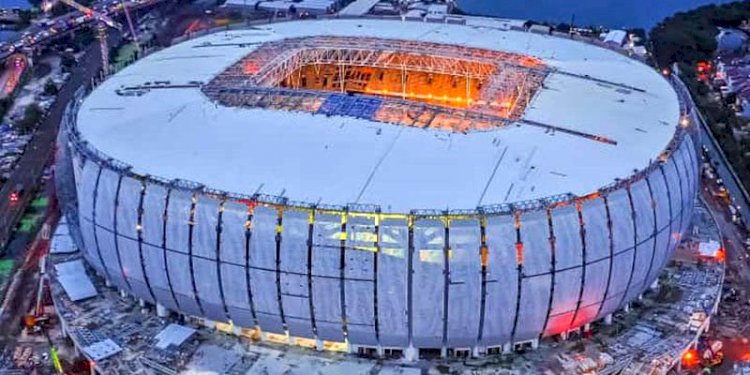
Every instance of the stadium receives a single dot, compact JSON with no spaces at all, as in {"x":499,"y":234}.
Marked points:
{"x":371,"y":184}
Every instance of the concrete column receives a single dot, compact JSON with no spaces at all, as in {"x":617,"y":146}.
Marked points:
{"x":655,"y":284}
{"x":626,"y":308}
{"x":564,"y":336}
{"x":534,"y":343}
{"x":123,"y":293}
{"x":318,"y":344}
{"x":141,"y":302}
{"x":587,"y":327}
{"x":444,"y":352}
{"x":608,"y":319}
{"x":507,"y":348}
{"x":161,"y":311}
{"x":380,"y":351}
{"x":411,"y":354}
{"x":478,"y":351}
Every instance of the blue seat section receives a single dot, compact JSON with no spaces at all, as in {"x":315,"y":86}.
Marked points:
{"x":351,"y":106}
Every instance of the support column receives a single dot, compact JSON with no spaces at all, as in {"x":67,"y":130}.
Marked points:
{"x":444,"y":352}
{"x":626,"y":308}
{"x":319,"y":345}
{"x":564,"y":336}
{"x":141,"y":302}
{"x":123,"y":293}
{"x":608,"y":319}
{"x":507,"y":348}
{"x":161,"y":311}
{"x":534,"y":344}
{"x":411,"y":354}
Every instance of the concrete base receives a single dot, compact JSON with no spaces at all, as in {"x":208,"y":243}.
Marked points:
{"x":626,"y":308}
{"x":587,"y":327}
{"x":141,"y":302}
{"x":319,"y":344}
{"x":123,"y":293}
{"x":161,"y":311}
{"x":535,"y":344}
{"x":478,"y":351}
{"x":564,"y":336}
{"x":655,"y":284}
{"x":507,"y":348}
{"x":608,"y":319}
{"x":411,"y":354}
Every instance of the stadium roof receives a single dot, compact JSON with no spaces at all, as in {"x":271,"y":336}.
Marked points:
{"x":180,"y":133}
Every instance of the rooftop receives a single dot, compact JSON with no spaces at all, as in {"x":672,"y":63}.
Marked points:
{"x":176,"y":131}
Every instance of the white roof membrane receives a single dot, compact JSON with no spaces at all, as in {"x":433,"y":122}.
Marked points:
{"x":180,"y":133}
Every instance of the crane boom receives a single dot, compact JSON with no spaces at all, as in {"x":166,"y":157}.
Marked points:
{"x":91,"y":13}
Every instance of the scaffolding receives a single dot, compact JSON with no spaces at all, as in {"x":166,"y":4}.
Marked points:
{"x":479,"y":89}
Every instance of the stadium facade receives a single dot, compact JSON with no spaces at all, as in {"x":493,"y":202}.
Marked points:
{"x":519,"y":225}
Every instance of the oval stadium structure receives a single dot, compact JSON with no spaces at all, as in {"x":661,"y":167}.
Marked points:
{"x":382,"y":183}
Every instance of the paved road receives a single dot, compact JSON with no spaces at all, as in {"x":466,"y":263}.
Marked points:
{"x":41,"y":148}
{"x":721,"y":164}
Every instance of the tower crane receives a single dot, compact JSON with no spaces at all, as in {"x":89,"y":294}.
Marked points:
{"x":104,"y":21}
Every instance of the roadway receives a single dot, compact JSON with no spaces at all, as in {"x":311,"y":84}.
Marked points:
{"x":40,"y":150}
{"x":39,"y":34}
{"x":724,"y":170}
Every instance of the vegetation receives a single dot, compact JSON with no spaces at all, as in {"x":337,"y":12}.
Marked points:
{"x":689,"y":37}
{"x":5,"y":104}
{"x":31,"y":118}
{"x":50,"y":88}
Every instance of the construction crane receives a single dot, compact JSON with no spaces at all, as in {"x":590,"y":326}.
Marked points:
{"x":105,"y":21}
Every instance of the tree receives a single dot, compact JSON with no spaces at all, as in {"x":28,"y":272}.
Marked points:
{"x":5,"y":104}
{"x":67,"y":61}
{"x":50,"y":88}
{"x":31,"y":117}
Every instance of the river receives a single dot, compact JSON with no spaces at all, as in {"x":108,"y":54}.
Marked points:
{"x":609,"y":13}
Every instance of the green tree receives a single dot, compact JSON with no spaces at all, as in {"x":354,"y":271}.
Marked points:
{"x":31,"y":117}
{"x":50,"y":88}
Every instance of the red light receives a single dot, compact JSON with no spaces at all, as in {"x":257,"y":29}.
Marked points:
{"x":14,"y":197}
{"x":690,"y":358}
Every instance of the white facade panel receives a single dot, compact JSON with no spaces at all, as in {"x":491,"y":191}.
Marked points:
{"x":208,"y":286}
{"x":152,"y":233}
{"x":205,"y":223}
{"x":534,"y":306}
{"x":86,"y":195}
{"x":237,"y":298}
{"x":178,"y":221}
{"x":502,"y":280}
{"x":127,"y":236}
{"x":428,"y":283}
{"x":181,"y":278}
{"x":359,"y":282}
{"x":326,"y":270}
{"x":295,"y":291}
{"x":564,"y":300}
{"x":597,"y":259}
{"x":263,"y":283}
{"x":393,"y":250}
{"x":535,"y":290}
{"x":233,"y":247}
{"x":465,"y":282}
{"x":643,"y":206}
{"x":105,"y":229}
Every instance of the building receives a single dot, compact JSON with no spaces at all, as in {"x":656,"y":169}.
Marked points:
{"x":382,"y":185}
